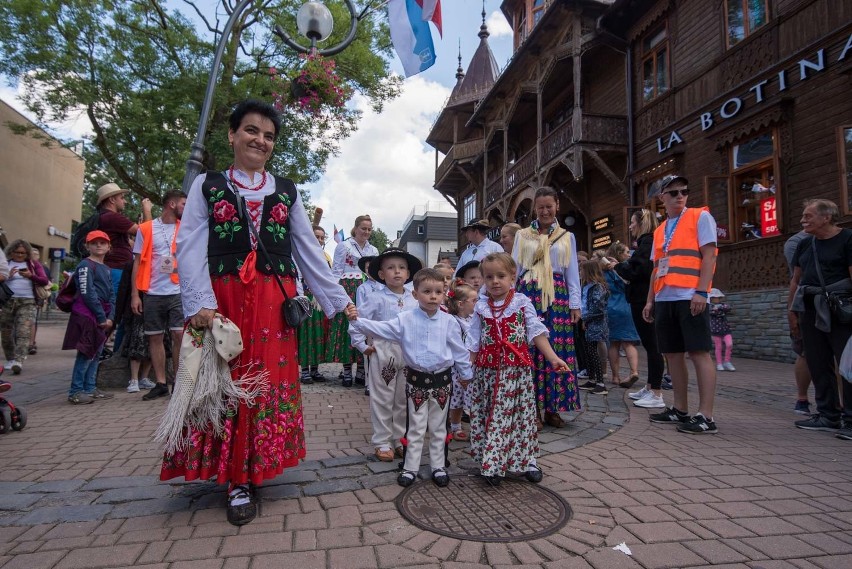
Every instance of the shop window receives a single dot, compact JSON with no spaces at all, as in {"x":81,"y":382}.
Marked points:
{"x":756,"y":208}
{"x":469,"y":208}
{"x":655,"y":63}
{"x":844,"y":142}
{"x":743,"y":17}
{"x":521,"y":30}
{"x":717,"y":196}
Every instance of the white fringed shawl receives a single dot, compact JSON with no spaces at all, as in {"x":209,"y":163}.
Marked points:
{"x":204,"y":389}
{"x":533,"y":254}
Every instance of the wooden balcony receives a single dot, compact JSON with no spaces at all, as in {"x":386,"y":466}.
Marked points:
{"x":493,"y":190}
{"x":461,"y":152}
{"x":521,"y":171}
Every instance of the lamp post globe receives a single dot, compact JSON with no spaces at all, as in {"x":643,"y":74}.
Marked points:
{"x":314,"y":21}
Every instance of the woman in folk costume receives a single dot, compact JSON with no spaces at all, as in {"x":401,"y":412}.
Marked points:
{"x":313,"y":333}
{"x":548,"y":274}
{"x":345,"y":267}
{"x":223,"y":273}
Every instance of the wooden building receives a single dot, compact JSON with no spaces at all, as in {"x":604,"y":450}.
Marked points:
{"x":750,"y":99}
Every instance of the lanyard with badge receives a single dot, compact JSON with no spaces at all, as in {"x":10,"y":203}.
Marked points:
{"x":168,"y":263}
{"x":663,"y":265}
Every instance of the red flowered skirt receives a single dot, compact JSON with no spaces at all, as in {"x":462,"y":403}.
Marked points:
{"x":259,"y":442}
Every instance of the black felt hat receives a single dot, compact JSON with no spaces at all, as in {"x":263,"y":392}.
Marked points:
{"x":414,"y":263}
{"x":362,"y":262}
{"x":466,"y":267}
{"x":480,"y":224}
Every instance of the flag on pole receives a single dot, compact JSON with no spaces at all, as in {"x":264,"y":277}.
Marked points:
{"x":337,"y":236}
{"x":412,"y":38}
{"x":432,"y":12}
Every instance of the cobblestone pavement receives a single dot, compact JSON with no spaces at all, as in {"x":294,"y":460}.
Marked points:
{"x":80,"y":489}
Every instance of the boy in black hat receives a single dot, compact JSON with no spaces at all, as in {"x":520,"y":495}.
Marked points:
{"x":385,"y":379}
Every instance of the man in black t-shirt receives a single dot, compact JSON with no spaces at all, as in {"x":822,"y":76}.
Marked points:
{"x":822,"y":336}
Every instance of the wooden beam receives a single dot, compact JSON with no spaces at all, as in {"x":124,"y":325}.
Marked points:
{"x":605,"y":169}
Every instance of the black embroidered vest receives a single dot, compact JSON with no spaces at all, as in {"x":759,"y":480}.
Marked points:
{"x":229,"y":240}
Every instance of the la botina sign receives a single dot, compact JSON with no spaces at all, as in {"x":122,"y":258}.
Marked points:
{"x":733,"y":106}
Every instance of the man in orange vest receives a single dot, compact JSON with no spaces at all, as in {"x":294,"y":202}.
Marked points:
{"x":155,"y":276}
{"x":684,"y":261}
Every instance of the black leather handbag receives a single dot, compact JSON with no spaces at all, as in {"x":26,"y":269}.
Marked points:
{"x":294,"y":309}
{"x":839,"y":301}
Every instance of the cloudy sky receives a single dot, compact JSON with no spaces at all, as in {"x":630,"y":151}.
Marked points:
{"x":385,"y":168}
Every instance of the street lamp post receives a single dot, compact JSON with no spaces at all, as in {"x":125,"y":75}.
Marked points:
{"x":314,"y":21}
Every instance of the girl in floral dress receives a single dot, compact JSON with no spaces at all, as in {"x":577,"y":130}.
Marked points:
{"x":345,"y":267}
{"x":546,"y":255}
{"x":461,"y":300}
{"x":503,"y":407}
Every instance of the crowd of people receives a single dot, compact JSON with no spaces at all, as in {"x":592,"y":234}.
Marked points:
{"x":505,"y":337}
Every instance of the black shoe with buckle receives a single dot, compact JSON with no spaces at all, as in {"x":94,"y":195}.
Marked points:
{"x":493,"y":480}
{"x":240,"y":515}
{"x":534,"y":474}
{"x":306,"y":379}
{"x":406,"y":478}
{"x":440,"y":478}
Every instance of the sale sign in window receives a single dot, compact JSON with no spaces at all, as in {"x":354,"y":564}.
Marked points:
{"x":769,"y":217}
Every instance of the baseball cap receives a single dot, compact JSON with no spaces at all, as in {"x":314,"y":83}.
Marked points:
{"x":96,"y":234}
{"x":660,"y":185}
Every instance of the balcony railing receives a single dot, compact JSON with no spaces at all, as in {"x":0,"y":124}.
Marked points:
{"x":493,"y":190}
{"x":521,"y":171}
{"x":556,"y":142}
{"x":458,"y":152}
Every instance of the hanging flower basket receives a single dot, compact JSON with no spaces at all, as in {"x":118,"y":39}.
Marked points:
{"x":313,"y":87}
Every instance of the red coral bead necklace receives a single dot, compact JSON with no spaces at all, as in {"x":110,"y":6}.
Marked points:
{"x":234,"y":181}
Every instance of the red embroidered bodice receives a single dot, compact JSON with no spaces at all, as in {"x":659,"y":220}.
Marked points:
{"x":504,"y":342}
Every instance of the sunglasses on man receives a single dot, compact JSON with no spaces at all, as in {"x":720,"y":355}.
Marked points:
{"x":675,"y":193}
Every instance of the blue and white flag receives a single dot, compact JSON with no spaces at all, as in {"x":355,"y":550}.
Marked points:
{"x":411,"y":35}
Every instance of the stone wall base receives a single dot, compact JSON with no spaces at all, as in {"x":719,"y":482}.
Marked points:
{"x":759,"y":326}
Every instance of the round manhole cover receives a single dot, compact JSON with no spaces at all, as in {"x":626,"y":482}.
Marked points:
{"x":471,"y":509}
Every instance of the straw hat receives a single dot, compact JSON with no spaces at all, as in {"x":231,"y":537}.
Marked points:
{"x":109,"y":190}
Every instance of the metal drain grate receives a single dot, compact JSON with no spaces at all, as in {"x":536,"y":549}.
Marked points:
{"x":471,"y":509}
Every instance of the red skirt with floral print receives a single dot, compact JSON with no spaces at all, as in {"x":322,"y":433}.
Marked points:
{"x":259,"y":442}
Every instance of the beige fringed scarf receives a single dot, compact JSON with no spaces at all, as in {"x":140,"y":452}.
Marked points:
{"x":533,"y":250}
{"x":204,"y":389}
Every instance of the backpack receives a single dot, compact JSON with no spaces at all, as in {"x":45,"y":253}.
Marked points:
{"x":78,"y":240}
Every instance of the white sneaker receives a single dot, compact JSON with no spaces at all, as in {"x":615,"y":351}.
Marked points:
{"x":133,"y":386}
{"x":146,"y":383}
{"x":651,"y":401}
{"x":636,"y":395}
{"x":16,"y":367}
{"x":720,"y":367}
{"x":8,"y":364}
{"x":583,"y":374}
{"x":729,"y":366}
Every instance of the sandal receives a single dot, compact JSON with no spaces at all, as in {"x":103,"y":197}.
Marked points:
{"x":460,"y":436}
{"x":554,"y":420}
{"x":538,"y":424}
{"x":384,"y":455}
{"x":634,"y":377}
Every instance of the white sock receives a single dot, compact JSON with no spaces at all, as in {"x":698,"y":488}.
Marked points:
{"x":241,"y":501}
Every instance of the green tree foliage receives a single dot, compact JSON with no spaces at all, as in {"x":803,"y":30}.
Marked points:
{"x":379,"y":239}
{"x":138,"y":69}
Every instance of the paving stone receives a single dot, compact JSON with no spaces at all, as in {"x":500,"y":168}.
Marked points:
{"x":278,"y":492}
{"x":198,"y":564}
{"x":329,"y":486}
{"x":9,"y":488}
{"x":343,"y":461}
{"x":768,"y":526}
{"x":112,"y":482}
{"x":392,"y":556}
{"x":664,"y":556}
{"x":342,"y":472}
{"x":304,"y":540}
{"x":61,"y":514}
{"x":299,"y":559}
{"x":353,"y":558}
{"x":310,"y":520}
{"x":145,"y":507}
{"x":18,"y":501}
{"x":827,"y":543}
{"x":251,"y":545}
{"x":133,"y":494}
{"x":57,"y":486}
{"x":716,"y":552}
{"x":379,"y":466}
{"x":190,"y":549}
{"x":379,"y":480}
{"x":657,"y":532}
{"x":35,"y":560}
{"x":782,"y":547}
{"x":834,"y":562}
{"x":92,"y":557}
{"x":292,"y":476}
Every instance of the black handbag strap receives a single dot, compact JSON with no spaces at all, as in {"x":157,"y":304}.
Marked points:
{"x":241,"y":203}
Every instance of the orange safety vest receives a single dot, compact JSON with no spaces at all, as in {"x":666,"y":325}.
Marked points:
{"x":684,"y":254}
{"x":143,"y":275}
